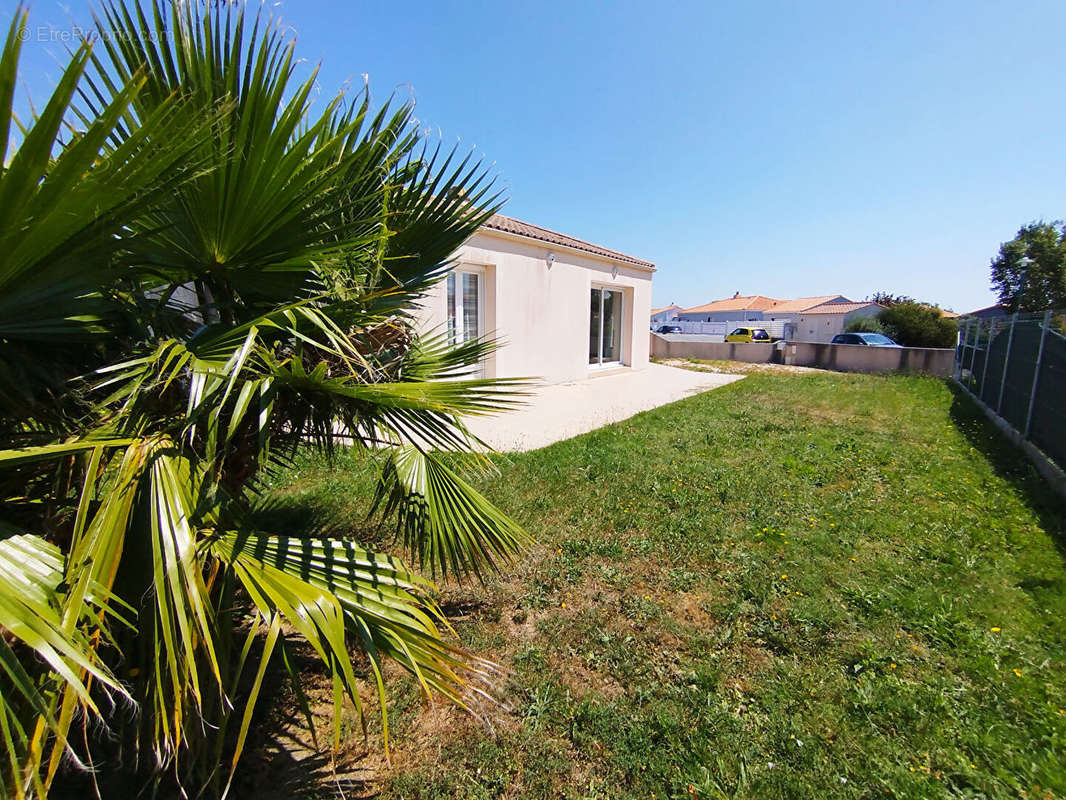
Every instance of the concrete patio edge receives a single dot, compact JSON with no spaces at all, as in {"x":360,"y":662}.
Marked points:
{"x":561,"y":411}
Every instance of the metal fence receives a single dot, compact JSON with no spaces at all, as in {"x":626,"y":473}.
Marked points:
{"x":1016,"y":366}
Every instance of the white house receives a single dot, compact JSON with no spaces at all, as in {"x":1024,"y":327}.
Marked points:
{"x":565,"y":309}
{"x":664,"y":314}
{"x":751,"y":308}
{"x":822,"y":323}
{"x":735,"y":308}
{"x":787,"y":314}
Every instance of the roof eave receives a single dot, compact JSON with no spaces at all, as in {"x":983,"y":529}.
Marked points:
{"x":518,"y":237}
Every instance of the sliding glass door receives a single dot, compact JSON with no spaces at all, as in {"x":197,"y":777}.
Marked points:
{"x":605,"y":327}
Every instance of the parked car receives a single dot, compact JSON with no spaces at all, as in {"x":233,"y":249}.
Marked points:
{"x":746,"y":334}
{"x":868,"y":339}
{"x":669,"y":329}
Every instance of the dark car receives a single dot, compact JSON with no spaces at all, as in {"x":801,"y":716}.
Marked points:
{"x":669,"y":329}
{"x":867,"y":339}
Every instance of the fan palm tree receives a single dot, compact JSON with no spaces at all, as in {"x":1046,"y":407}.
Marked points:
{"x":201,"y":275}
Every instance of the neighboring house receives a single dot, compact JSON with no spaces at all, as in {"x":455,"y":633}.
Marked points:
{"x":822,"y":323}
{"x":759,"y":308}
{"x":664,"y":314}
{"x":992,"y":312}
{"x":735,"y":308}
{"x":789,"y":310}
{"x":756,"y":307}
{"x":565,"y":309}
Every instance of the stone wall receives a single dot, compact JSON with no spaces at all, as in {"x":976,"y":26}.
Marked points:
{"x":843,"y":357}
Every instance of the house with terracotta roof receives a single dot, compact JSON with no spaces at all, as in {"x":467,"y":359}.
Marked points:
{"x":664,"y":314}
{"x":752,"y":308}
{"x":785,"y":309}
{"x":564,"y":308}
{"x":823,"y":322}
{"x":738,"y":308}
{"x":803,"y":319}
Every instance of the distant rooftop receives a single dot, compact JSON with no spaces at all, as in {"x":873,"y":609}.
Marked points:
{"x":991,"y":311}
{"x":498,"y":222}
{"x":670,"y":307}
{"x":755,"y":302}
{"x":839,"y":308}
{"x":803,"y":303}
{"x":758,"y":302}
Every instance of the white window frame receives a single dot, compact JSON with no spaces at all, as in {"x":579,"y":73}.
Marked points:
{"x":457,"y":273}
{"x":620,"y":362}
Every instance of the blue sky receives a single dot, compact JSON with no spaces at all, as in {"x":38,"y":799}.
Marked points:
{"x":781,"y":149}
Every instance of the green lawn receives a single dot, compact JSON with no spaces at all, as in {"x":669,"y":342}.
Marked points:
{"x":795,"y":586}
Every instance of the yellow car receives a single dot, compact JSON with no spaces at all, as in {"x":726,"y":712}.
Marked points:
{"x":749,"y":335}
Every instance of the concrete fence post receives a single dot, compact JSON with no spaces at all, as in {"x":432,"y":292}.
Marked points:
{"x":1036,"y":374}
{"x":1006,"y":364}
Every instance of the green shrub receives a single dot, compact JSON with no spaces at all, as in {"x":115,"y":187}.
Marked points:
{"x":917,"y":325}
{"x":865,"y":325}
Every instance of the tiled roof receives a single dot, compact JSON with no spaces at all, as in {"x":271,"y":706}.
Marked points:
{"x":803,"y":303}
{"x":838,"y":308}
{"x":498,"y":222}
{"x":665,"y":308}
{"x":747,"y":303}
{"x":990,"y":311}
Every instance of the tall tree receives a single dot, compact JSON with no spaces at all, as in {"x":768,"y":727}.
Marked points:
{"x":1039,"y":282}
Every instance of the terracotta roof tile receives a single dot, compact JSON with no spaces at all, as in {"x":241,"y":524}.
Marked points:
{"x":498,"y":222}
{"x":803,"y":303}
{"x":838,"y":308}
{"x":746,"y":303}
{"x":665,"y":308}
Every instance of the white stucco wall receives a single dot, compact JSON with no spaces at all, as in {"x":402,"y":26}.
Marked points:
{"x":542,"y":312}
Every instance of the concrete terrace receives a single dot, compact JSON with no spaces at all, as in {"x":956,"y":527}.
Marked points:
{"x":560,"y":411}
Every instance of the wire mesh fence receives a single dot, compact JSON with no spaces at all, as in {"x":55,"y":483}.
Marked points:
{"x":1017,"y":367}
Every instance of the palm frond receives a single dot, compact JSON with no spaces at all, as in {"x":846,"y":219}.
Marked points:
{"x":327,"y":587}
{"x":446,"y":524}
{"x":255,"y":227}
{"x":65,"y":201}
{"x":32,"y":573}
{"x":203,"y":279}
